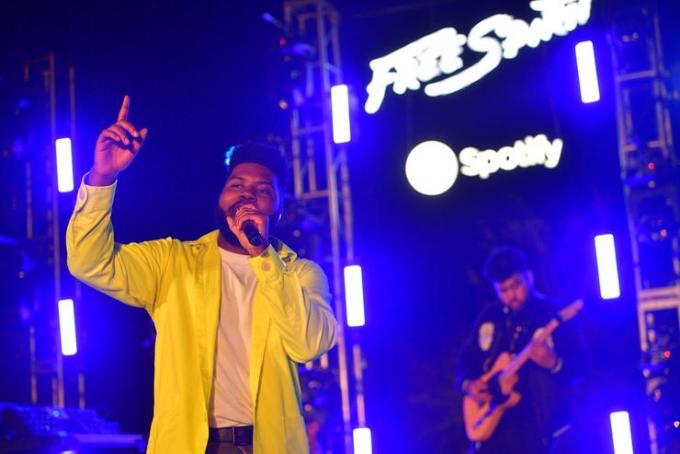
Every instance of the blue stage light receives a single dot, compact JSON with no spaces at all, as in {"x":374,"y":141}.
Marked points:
{"x":620,"y":423}
{"x":340,"y":110}
{"x":362,"y":440}
{"x":587,"y":72}
{"x":354,"y":296}
{"x":606,"y":266}
{"x":64,"y":165}
{"x":67,"y":327}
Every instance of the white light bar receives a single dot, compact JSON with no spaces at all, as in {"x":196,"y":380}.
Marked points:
{"x":67,"y":328}
{"x":587,"y":72}
{"x":354,"y":296}
{"x":64,"y":165}
{"x":340,"y":110}
{"x":362,"y":440}
{"x":620,"y":423}
{"x":606,"y":266}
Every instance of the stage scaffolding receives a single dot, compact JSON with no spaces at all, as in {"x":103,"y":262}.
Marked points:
{"x":311,"y":53}
{"x":43,"y":109}
{"x":650,"y":173}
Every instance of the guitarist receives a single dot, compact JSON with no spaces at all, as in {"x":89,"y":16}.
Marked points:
{"x":542,"y":416}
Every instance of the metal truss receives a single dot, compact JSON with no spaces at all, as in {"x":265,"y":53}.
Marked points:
{"x":650,"y":172}
{"x":321,"y":176}
{"x":38,"y":213}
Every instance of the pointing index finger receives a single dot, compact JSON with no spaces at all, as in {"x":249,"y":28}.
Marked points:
{"x":124,"y":109}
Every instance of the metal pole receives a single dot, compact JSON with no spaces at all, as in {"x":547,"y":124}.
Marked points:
{"x":58,"y":400}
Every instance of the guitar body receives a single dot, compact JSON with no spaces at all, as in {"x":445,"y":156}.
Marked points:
{"x":481,"y":420}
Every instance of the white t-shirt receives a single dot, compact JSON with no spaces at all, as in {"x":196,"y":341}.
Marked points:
{"x":231,"y":404}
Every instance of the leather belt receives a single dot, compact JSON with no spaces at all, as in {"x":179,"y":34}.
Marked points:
{"x":238,"y":435}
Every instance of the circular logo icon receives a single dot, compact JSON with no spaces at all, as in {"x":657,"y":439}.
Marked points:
{"x":431,"y":167}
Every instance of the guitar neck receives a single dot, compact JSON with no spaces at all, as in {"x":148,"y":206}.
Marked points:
{"x":523,"y":356}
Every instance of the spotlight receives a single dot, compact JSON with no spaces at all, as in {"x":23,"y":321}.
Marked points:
{"x":606,"y":267}
{"x":362,"y":440}
{"x":620,"y":424}
{"x":354,"y":296}
{"x":340,"y":111}
{"x":67,"y":328}
{"x":587,"y":72}
{"x":64,"y":165}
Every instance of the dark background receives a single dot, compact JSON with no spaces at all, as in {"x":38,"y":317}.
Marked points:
{"x":205,"y":75}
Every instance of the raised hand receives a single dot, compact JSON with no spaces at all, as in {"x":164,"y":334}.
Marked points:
{"x":116,"y":147}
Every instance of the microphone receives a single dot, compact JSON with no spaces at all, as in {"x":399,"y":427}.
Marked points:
{"x":252,"y":233}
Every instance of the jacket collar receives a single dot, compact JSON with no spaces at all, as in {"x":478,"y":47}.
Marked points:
{"x":285,"y":253}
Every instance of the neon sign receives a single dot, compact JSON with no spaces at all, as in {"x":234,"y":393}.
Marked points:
{"x":532,"y":151}
{"x":432,"y":167}
{"x":498,"y":37}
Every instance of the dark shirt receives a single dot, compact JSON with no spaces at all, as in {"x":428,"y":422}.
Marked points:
{"x":544,"y":408}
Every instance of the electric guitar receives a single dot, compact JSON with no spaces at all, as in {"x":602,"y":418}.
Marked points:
{"x":481,"y":420}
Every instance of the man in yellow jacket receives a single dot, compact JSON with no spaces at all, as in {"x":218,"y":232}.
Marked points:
{"x":234,"y":311}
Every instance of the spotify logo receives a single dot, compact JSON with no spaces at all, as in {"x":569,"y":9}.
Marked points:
{"x":432,"y":167}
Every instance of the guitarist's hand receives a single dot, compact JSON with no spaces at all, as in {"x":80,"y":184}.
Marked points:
{"x":542,"y":354}
{"x":479,"y":391}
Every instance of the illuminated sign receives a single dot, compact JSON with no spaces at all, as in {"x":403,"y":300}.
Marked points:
{"x":532,"y":151}
{"x":432,"y":167}
{"x":495,"y":38}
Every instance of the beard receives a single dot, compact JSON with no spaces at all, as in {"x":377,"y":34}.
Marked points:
{"x":223,"y":227}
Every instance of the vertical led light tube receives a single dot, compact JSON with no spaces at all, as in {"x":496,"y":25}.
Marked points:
{"x":607,"y":270}
{"x":354,"y":296}
{"x":67,"y":327}
{"x":362,"y":441}
{"x":340,"y":111}
{"x":620,"y":423}
{"x":64,"y":165}
{"x":587,"y":72}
